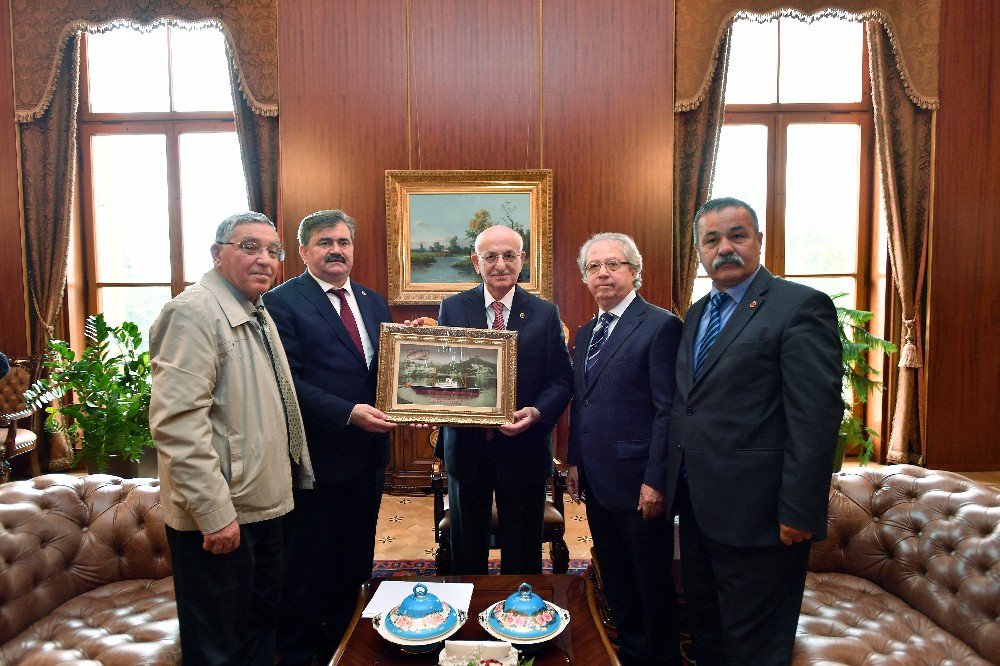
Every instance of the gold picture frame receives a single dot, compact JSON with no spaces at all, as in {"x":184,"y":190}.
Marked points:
{"x":433,"y":217}
{"x":447,"y":375}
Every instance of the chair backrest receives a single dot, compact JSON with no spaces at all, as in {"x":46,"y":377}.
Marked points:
{"x":23,"y":373}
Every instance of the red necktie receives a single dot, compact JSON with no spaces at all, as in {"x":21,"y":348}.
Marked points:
{"x":498,"y":324}
{"x":347,"y":316}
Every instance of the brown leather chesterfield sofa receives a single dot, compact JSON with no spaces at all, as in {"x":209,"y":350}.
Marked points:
{"x":910,"y":573}
{"x":85,"y":573}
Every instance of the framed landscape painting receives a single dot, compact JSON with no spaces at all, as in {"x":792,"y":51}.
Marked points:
{"x":447,"y":375}
{"x":433,"y":219}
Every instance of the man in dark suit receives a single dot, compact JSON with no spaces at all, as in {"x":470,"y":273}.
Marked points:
{"x":623,"y":365}
{"x":329,"y":327}
{"x":755,"y":422}
{"x":512,"y":461}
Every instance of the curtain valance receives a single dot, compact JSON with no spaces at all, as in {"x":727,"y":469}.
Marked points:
{"x":41,"y":30}
{"x":912,"y":26}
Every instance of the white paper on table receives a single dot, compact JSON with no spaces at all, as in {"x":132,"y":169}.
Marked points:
{"x":391,"y":592}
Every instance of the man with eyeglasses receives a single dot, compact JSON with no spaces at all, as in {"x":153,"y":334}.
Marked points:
{"x":329,"y":327}
{"x":623,"y":369}
{"x":513,"y":461}
{"x":229,"y":440}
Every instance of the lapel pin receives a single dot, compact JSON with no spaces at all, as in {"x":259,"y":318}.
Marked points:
{"x":365,"y":293}
{"x":522,"y":315}
{"x":753,"y":304}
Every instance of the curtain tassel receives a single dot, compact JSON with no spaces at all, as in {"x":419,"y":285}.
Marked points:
{"x":908,"y":356}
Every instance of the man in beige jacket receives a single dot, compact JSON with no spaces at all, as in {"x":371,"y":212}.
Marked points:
{"x":229,"y":439}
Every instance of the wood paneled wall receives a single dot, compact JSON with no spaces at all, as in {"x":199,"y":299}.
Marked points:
{"x":584,"y":87}
{"x":13,"y":319}
{"x":963,"y":362}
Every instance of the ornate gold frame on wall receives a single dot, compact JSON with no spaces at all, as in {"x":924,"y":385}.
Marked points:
{"x":399,"y":343}
{"x":401,"y":185}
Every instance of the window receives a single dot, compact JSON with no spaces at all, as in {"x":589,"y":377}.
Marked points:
{"x":797,"y":144}
{"x":160,"y":165}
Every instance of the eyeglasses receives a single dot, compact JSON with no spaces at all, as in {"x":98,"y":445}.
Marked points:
{"x":612,"y":265}
{"x":492,"y":257}
{"x":254,"y":248}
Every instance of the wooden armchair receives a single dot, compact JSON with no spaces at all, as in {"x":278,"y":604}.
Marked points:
{"x":554,"y":519}
{"x":19,"y":423}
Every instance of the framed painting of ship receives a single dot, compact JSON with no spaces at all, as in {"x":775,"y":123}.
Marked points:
{"x":447,"y":375}
{"x":433,"y":218}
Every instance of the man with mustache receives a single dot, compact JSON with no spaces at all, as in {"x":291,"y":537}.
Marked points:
{"x":754,"y":422}
{"x":513,"y":461}
{"x":224,"y":418}
{"x":329,"y":327}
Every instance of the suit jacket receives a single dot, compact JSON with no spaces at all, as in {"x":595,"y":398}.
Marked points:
{"x":619,"y":422}
{"x":330,"y":374}
{"x":758,"y":426}
{"x":544,"y":381}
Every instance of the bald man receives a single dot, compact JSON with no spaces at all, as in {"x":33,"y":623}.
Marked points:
{"x":513,"y":461}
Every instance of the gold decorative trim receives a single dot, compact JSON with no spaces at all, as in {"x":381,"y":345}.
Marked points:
{"x":399,"y":185}
{"x":449,"y":405}
{"x":41,"y":32}
{"x":920,"y":99}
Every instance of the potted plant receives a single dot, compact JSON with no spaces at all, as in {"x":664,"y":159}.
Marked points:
{"x":110,"y":381}
{"x":859,"y":380}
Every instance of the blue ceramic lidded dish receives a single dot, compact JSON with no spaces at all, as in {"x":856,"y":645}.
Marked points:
{"x":420,"y":616}
{"x":524,"y":615}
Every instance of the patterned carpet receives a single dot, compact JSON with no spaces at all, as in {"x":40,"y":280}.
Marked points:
{"x":426,"y":567}
{"x":405,"y":531}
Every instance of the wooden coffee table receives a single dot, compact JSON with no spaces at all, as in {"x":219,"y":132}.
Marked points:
{"x":582,"y":642}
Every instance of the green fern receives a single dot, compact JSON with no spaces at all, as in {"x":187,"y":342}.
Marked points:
{"x":859,"y":379}
{"x":110,"y":382}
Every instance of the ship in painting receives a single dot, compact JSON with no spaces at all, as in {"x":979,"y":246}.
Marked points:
{"x":449,"y":388}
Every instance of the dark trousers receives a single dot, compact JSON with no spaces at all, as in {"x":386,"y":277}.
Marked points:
{"x":742,"y":604}
{"x":331,"y":555}
{"x":635,"y":557}
{"x":227,"y":605}
{"x":520,"y":515}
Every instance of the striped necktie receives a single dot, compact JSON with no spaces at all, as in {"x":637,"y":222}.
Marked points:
{"x":712,"y":332}
{"x":600,"y":335}
{"x":498,"y":324}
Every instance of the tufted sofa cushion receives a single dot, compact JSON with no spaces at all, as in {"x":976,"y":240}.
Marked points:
{"x":85,"y":572}
{"x":910,"y":572}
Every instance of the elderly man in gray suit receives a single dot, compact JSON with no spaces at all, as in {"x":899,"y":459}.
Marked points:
{"x":623,"y":366}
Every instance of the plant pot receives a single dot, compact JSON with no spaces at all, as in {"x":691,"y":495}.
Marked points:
{"x":145,"y":467}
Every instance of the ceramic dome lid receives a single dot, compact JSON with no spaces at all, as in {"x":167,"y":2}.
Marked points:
{"x":420,"y":615}
{"x":524,"y":615}
{"x":524,"y":601}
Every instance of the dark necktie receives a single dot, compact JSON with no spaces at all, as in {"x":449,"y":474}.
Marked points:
{"x":712,"y":332}
{"x":289,"y":404}
{"x":347,"y":316}
{"x":600,"y":335}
